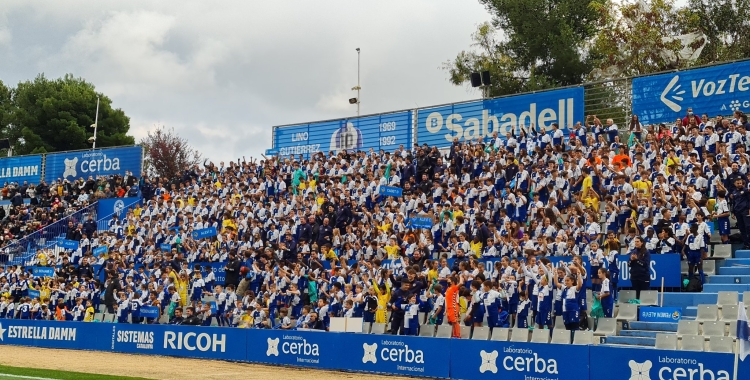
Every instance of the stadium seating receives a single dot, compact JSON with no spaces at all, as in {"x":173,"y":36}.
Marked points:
{"x":666,"y":341}
{"x":692,"y":343}
{"x":444,"y":331}
{"x":519,"y":335}
{"x":500,"y":334}
{"x":707,"y":313}
{"x":540,"y":336}
{"x":606,"y":327}
{"x":481,"y":333}
{"x":686,"y":327}
{"x":713,"y":329}
{"x":583,"y":337}
{"x":721,"y":344}
{"x":378,"y":328}
{"x":560,"y":336}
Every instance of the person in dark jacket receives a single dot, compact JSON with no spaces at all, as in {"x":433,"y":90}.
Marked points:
{"x":325,"y":233}
{"x":640,"y":264}
{"x":74,"y":232}
{"x":740,"y":201}
{"x":191,"y":319}
{"x":85,"y":270}
{"x":177,"y":319}
{"x":233,"y":269}
{"x":304,"y":231}
{"x":89,"y":226}
{"x":482,"y":232}
{"x":112,"y":289}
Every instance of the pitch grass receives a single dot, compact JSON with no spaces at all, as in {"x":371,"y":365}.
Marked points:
{"x":18,"y":373}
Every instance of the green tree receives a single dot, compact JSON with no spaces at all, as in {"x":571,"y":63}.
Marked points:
{"x":637,"y":38}
{"x":726,"y":25}
{"x":6,"y":106}
{"x":544,"y":45}
{"x":55,"y":115}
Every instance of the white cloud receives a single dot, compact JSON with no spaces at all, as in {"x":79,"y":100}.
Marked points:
{"x":223,"y":73}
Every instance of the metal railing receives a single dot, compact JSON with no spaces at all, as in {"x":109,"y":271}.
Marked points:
{"x":17,"y":252}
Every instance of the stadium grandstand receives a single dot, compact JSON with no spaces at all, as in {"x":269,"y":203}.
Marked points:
{"x":551,"y":228}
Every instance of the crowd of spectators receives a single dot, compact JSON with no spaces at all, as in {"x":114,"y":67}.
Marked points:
{"x":31,"y":207}
{"x":303,"y":239}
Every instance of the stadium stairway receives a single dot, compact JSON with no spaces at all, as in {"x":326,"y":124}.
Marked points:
{"x":732,"y":274}
{"x":640,"y":333}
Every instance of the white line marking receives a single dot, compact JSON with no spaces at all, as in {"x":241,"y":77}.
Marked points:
{"x":25,"y":377}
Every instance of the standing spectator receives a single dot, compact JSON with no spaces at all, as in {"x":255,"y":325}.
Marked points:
{"x":232,"y":268}
{"x":89,"y":226}
{"x":640,"y":264}
{"x":740,"y":199}
{"x":452,"y":307}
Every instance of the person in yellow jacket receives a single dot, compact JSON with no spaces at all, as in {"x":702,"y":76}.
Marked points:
{"x":182,"y":288}
{"x":329,"y":254}
{"x":384,"y":295}
{"x":393,"y":249}
{"x":476,"y":247}
{"x":89,"y":316}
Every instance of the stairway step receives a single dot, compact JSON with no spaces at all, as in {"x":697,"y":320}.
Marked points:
{"x":689,"y":311}
{"x":742,"y":254}
{"x":727,"y":270}
{"x":630,"y":341}
{"x":640,"y":333}
{"x":625,"y":346}
{"x":729,"y":279}
{"x":653,"y":326}
{"x":715,"y":288}
{"x":731,"y":262}
{"x":688,"y":299}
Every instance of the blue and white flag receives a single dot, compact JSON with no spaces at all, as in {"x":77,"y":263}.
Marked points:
{"x":743,"y":332}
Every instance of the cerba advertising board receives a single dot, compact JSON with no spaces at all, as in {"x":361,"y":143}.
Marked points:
{"x":374,"y":353}
{"x":96,"y":162}
{"x":384,"y":131}
{"x":438,"y":126}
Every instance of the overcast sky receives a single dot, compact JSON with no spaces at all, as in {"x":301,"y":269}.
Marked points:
{"x":223,"y":73}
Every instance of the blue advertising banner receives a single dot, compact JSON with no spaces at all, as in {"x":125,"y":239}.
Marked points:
{"x":665,"y":266}
{"x":385,"y":131}
{"x":186,"y":341}
{"x":614,"y":363}
{"x":716,"y":90}
{"x":517,"y":361}
{"x":420,"y":222}
{"x":34,"y":293}
{"x":149,"y":312}
{"x":402,"y":355}
{"x":387,"y":354}
{"x":101,"y":250}
{"x":105,"y":208}
{"x":165,"y":247}
{"x":659,"y":314}
{"x":53,"y":334}
{"x":20,"y":169}
{"x":68,"y":244}
{"x":438,"y":126}
{"x":297,"y":348}
{"x":97,"y":162}
{"x":204,"y":233}
{"x":390,"y":191}
{"x":217,"y":268}
{"x":43,"y":271}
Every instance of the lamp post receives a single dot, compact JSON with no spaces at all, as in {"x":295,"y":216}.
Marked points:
{"x":95,"y":125}
{"x":358,"y":87}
